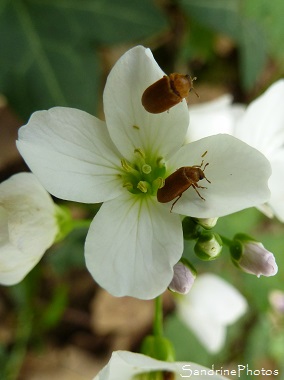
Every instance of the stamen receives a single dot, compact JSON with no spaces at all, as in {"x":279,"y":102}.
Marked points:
{"x":158,"y":183}
{"x":143,"y":186}
{"x":161,"y":162}
{"x":128,"y":186}
{"x":140,"y":152}
{"x":128,"y":168}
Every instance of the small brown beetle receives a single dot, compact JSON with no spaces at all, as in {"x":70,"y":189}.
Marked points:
{"x":167,"y":92}
{"x":180,"y":181}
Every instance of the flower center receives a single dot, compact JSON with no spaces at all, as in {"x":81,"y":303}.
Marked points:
{"x":143,"y":175}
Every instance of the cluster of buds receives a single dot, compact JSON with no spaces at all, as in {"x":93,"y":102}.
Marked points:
{"x":247,"y":254}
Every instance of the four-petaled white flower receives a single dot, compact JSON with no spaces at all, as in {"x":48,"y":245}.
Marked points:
{"x":261,"y":125}
{"x":125,"y":365}
{"x":134,"y":241}
{"x":211,"y":305}
{"x":28,"y":226}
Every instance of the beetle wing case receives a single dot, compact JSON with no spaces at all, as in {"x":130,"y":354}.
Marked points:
{"x":175,"y":185}
{"x":160,"y":97}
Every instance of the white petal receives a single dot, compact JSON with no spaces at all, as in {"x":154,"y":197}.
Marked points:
{"x":124,"y":365}
{"x":276,"y":185}
{"x":209,"y":332}
{"x":71,"y":153}
{"x":209,"y":307}
{"x":132,"y":246}
{"x":28,"y":226}
{"x":211,"y":118}
{"x":266,"y":210}
{"x":130,"y":125}
{"x":238,"y":175}
{"x":262,"y":125}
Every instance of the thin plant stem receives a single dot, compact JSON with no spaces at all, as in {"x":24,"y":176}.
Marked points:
{"x":158,"y":317}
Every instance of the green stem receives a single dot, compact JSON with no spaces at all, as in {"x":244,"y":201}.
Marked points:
{"x":158,"y":318}
{"x":18,"y":353}
{"x":81,"y":223}
{"x":226,"y":241}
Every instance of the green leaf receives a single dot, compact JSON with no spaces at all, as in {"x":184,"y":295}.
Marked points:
{"x":69,"y":253}
{"x":269,"y":14}
{"x":220,"y":15}
{"x":227,"y":17}
{"x":48,"y":48}
{"x":54,"y":310}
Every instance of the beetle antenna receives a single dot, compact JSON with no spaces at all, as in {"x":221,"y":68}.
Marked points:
{"x":192,"y":87}
{"x":204,"y":170}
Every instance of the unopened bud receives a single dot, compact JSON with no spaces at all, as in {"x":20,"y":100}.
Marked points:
{"x":208,"y":246}
{"x":206,"y":223}
{"x":183,"y":279}
{"x":252,"y":257}
{"x":191,"y":230}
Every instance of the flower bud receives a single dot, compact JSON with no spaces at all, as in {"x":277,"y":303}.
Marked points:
{"x":252,"y":257}
{"x":208,"y":246}
{"x":191,"y":230}
{"x":206,"y":223}
{"x":184,"y":276}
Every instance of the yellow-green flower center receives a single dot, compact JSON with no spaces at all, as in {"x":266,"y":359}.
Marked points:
{"x":143,"y":175}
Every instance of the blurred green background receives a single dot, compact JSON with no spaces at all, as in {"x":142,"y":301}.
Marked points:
{"x":59,"y":53}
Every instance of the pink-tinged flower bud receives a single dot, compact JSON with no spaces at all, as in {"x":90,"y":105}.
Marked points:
{"x":184,"y":276}
{"x":252,"y":257}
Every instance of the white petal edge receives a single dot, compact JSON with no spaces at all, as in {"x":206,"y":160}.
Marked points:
{"x":72,"y":154}
{"x":132,"y":246}
{"x":28,"y":226}
{"x":276,"y":186}
{"x":238,"y":174}
{"x":124,"y":365}
{"x":129,"y":124}
{"x":209,"y":307}
{"x":262,"y":125}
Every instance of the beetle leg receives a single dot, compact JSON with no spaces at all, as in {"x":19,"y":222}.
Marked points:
{"x":175,"y":202}
{"x":194,"y":186}
{"x":199,"y":187}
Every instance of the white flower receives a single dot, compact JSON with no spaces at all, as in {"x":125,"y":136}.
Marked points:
{"x":134,"y":241}
{"x":261,"y":126}
{"x":28,"y":226}
{"x":125,"y":365}
{"x":211,"y":305}
{"x":213,"y":117}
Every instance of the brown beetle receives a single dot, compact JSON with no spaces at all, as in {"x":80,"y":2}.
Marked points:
{"x":180,"y":181}
{"x":167,"y":92}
